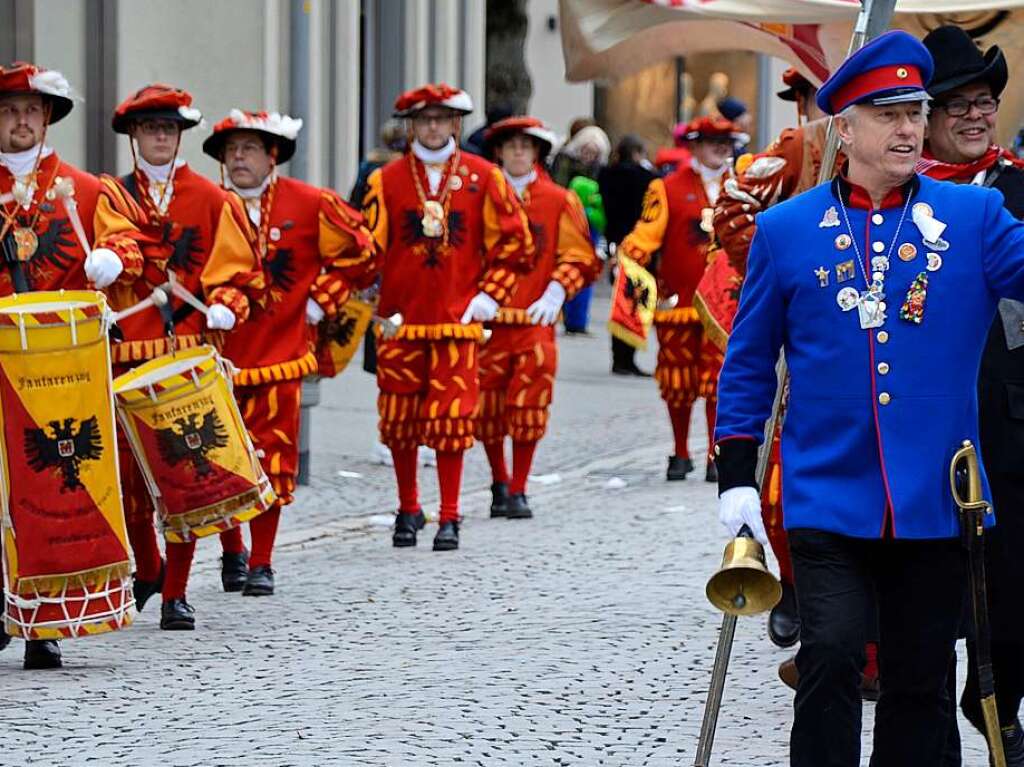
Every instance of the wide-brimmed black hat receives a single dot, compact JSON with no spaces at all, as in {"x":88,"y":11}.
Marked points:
{"x":958,"y":61}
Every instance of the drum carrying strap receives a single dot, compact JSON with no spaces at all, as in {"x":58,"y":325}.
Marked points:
{"x":171,"y":317}
{"x":17,"y":269}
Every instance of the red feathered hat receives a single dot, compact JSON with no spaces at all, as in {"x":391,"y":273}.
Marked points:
{"x":795,"y":83}
{"x":530,"y":126}
{"x":712,"y":127}
{"x":157,"y":101}
{"x":281,"y":129}
{"x":23,"y":78}
{"x":435,"y":94}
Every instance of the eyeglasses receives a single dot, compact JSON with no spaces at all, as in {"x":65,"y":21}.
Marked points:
{"x":153,"y":127}
{"x":986,"y":105}
{"x":427,"y":119}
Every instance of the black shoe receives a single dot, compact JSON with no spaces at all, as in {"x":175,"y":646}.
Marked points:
{"x":518,"y":507}
{"x":1013,"y":745}
{"x":783,"y":620}
{"x":406,"y":526}
{"x":447,"y":538}
{"x":143,"y":590}
{"x":678,"y":468}
{"x":42,"y":653}
{"x":499,"y":499}
{"x":5,"y":638}
{"x":260,"y":582}
{"x":177,"y":615}
{"x":629,"y":370}
{"x":711,"y":473}
{"x":233,"y":570}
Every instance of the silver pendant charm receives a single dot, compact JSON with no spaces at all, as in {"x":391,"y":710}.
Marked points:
{"x":871,"y":311}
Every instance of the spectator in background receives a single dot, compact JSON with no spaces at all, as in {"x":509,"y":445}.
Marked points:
{"x":475,"y":142}
{"x":392,"y":144}
{"x":735,"y":111}
{"x":668,"y":159}
{"x":576,"y":312}
{"x":623,"y":184}
{"x":583,"y":155}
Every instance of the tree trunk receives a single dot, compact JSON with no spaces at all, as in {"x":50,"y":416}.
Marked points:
{"x":508,"y":82}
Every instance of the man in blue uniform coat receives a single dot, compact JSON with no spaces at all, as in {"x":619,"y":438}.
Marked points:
{"x":880,"y":288}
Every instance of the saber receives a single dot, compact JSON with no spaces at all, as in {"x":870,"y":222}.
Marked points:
{"x":389,"y":326}
{"x":872,"y":21}
{"x":965,"y":476}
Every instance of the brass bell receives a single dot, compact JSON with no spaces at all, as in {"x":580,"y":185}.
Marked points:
{"x":743,"y":584}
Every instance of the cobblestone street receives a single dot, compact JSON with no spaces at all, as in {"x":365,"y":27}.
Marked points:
{"x":581,"y":637}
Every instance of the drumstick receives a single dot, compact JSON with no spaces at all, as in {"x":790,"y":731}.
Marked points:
{"x":157,"y":298}
{"x":183,"y":293}
{"x":65,"y":189}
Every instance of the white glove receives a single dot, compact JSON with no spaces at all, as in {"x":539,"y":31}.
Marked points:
{"x":314,"y":312}
{"x":219,"y":317}
{"x":481,"y":309}
{"x":544,"y":311}
{"x":102,"y":267}
{"x":741,"y":506}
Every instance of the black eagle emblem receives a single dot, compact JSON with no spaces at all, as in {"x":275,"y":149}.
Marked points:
{"x":186,"y":249}
{"x":412,"y":234}
{"x":192,"y":440}
{"x":280,"y":267}
{"x":63,"y":447}
{"x":540,"y":237}
{"x":52,"y":250}
{"x":340,"y":330}
{"x":640,"y":295}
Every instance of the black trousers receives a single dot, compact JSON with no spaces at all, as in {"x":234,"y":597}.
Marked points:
{"x":918,"y":588}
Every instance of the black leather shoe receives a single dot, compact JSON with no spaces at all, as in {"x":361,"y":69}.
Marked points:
{"x":784,"y":620}
{"x":447,"y":538}
{"x":678,"y":468}
{"x":406,"y":526}
{"x":260,"y":582}
{"x":499,"y":499}
{"x":711,"y":473}
{"x":42,"y":653}
{"x":518,"y":507}
{"x":177,"y":615}
{"x":233,"y":570}
{"x":5,"y":638}
{"x":143,"y":590}
{"x":629,"y":370}
{"x":1013,"y":745}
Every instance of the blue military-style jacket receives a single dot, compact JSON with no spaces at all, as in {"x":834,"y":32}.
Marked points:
{"x":874,"y":415}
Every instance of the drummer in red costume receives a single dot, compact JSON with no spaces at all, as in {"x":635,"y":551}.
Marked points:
{"x":41,"y":250}
{"x":312,"y":246}
{"x":454,"y":240}
{"x":192,"y":227}
{"x":518,"y":362}
{"x":677,"y":221}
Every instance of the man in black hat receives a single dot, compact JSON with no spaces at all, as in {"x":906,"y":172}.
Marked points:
{"x":961,"y":148}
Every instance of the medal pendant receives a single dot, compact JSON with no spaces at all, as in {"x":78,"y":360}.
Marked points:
{"x":707,"y":220}
{"x":27,"y":242}
{"x":871,"y":311}
{"x":433,"y":218}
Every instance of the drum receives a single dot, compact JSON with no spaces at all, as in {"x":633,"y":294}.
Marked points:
{"x":186,"y":433}
{"x":67,"y":568}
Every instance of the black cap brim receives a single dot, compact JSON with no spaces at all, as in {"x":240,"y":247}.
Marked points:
{"x":214,"y":144}
{"x":123,"y":123}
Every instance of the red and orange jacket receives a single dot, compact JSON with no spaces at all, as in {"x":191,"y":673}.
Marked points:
{"x":204,"y":237}
{"x":674,"y":221}
{"x":59,"y":260}
{"x":313,"y":246}
{"x":431,"y":280}
{"x":564,"y":252}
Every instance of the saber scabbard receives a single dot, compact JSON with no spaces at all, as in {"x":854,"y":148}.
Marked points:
{"x":965,"y":483}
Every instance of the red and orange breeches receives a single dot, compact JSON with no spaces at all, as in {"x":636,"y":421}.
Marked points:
{"x":688,"y":364}
{"x":270,"y":412}
{"x":428,"y":392}
{"x":517,"y":380}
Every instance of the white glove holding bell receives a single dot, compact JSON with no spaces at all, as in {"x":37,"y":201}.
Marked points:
{"x":314,"y":312}
{"x":102,"y":267}
{"x":482,"y":308}
{"x":219,"y":317}
{"x":741,"y":506}
{"x":544,"y":311}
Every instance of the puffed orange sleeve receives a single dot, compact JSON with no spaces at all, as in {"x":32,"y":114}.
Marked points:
{"x":576,"y":261}
{"x":233,"y":275}
{"x":348,"y":251}
{"x":508,"y":244}
{"x":649,"y":232}
{"x":115,"y":227}
{"x":375,"y":212}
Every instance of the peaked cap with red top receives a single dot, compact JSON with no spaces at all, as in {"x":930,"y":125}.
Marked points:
{"x":22,"y":78}
{"x":433,"y":95}
{"x":529,"y":126}
{"x":892,"y":69}
{"x":712,"y":127}
{"x":280,"y":129}
{"x":156,"y":102}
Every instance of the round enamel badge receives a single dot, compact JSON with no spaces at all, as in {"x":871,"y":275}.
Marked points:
{"x":922,"y":209}
{"x":275,"y":233}
{"x":907,"y":251}
{"x":843,"y":241}
{"x":934,"y":262}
